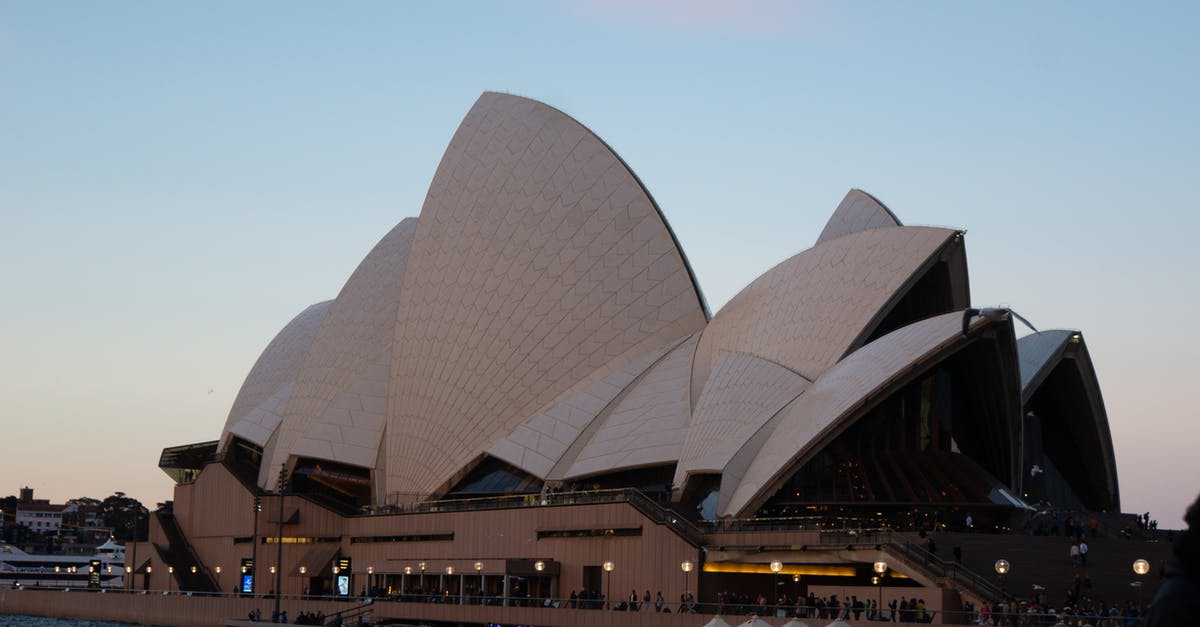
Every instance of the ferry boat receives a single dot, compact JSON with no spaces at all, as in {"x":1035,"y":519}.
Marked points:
{"x":105,"y":568}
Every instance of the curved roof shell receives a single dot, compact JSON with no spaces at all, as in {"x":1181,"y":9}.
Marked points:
{"x":338,"y":408}
{"x":260,"y":404}
{"x":538,"y":258}
{"x":830,"y":404}
{"x":808,"y":312}
{"x":858,"y":211}
{"x":1046,"y":353}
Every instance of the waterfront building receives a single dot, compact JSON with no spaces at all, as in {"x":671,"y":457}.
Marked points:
{"x":521,"y":395}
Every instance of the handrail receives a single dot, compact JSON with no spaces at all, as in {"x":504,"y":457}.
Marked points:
{"x":921,"y":559}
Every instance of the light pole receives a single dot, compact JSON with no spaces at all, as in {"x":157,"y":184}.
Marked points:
{"x":1002,"y":568}
{"x":479,"y":569}
{"x":686,"y":566}
{"x":1140,"y":568}
{"x":608,"y":568}
{"x":776,"y":566}
{"x":404,"y":582}
{"x":254,"y":545}
{"x":170,"y":579}
{"x":422,"y":584}
{"x":279,"y":540}
{"x":880,"y":568}
{"x":539,"y":566}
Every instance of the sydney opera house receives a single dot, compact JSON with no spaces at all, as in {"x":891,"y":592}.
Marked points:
{"x":521,"y":393}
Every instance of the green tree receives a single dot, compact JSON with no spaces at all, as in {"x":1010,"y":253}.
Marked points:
{"x":127,"y":516}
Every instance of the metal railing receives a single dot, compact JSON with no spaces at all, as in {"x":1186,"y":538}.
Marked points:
{"x":649,"y":508}
{"x":918,"y":558}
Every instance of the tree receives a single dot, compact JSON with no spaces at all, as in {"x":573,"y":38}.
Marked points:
{"x":127,"y":516}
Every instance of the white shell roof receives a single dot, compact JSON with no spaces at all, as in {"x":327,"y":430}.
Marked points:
{"x":832,"y":398}
{"x":260,"y":403}
{"x":806,"y":313}
{"x":741,"y":395}
{"x":646,"y":426}
{"x":338,"y":408}
{"x":547,"y":437}
{"x":1036,"y":351}
{"x":858,"y":211}
{"x":538,"y":259}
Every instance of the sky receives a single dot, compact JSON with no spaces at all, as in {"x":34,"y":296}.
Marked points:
{"x":178,"y":180}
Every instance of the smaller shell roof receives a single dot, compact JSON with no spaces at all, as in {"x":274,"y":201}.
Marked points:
{"x":1037,"y":350}
{"x":259,"y":405}
{"x":807,"y":312}
{"x":858,"y":211}
{"x":833,"y":398}
{"x":338,"y":407}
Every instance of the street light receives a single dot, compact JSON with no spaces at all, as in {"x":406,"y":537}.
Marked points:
{"x":686,"y":566}
{"x":1002,"y":568}
{"x":479,"y":569}
{"x":1140,"y":568}
{"x":170,"y":578}
{"x":539,"y":566}
{"x":608,"y":568}
{"x":880,"y":568}
{"x":776,"y":566}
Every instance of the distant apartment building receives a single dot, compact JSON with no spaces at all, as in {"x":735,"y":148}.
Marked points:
{"x":40,"y":516}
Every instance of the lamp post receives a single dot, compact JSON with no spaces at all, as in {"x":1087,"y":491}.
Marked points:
{"x":279,"y":539}
{"x":608,"y":568}
{"x":880,"y":568}
{"x":1140,"y":568}
{"x":404,"y":581}
{"x":254,"y":545}
{"x":170,"y":579}
{"x":776,"y":566}
{"x":539,"y":566}
{"x":422,"y":584}
{"x":1002,"y":568}
{"x":479,"y":570}
{"x":371,"y":581}
{"x":146,"y":579}
{"x":686,"y":566}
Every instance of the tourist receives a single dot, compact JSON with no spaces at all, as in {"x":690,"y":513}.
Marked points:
{"x":1178,"y":599}
{"x":659,"y":602}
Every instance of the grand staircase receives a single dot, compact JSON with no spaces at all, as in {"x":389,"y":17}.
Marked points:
{"x":190,"y":574}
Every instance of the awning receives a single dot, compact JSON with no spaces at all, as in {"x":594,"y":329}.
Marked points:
{"x":317,"y":560}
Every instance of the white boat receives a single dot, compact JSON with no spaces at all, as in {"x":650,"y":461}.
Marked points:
{"x":21,"y":569}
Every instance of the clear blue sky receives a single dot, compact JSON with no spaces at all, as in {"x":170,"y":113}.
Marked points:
{"x":177,"y":180}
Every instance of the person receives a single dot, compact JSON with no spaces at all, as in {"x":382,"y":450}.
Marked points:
{"x":659,"y":602}
{"x":1178,"y":599}
{"x":633,"y":601}
{"x":1083,"y":551}
{"x":646,"y":601}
